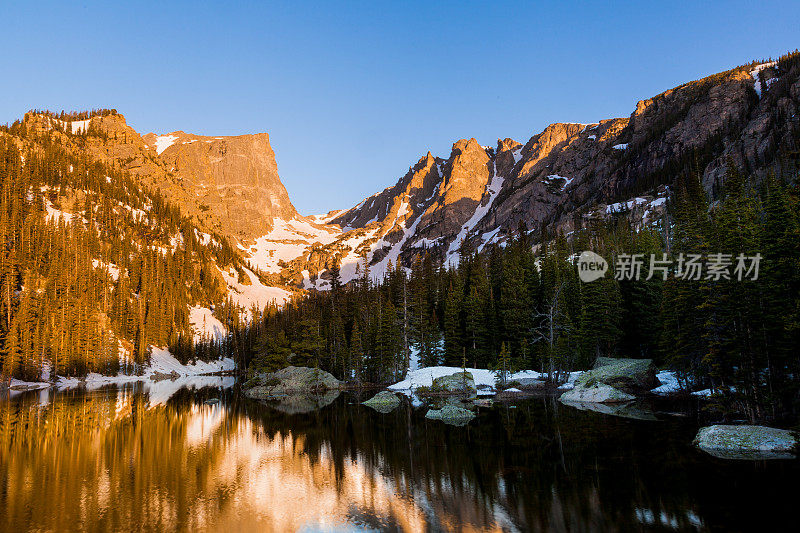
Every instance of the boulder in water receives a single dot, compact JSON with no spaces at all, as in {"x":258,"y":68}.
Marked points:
{"x":613,"y":381}
{"x":290,"y":380}
{"x":628,"y":375}
{"x":450,"y":414}
{"x":747,"y":442}
{"x":383,"y":402}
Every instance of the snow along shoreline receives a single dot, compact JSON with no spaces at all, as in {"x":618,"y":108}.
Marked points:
{"x":486,"y":380}
{"x":161,"y":362}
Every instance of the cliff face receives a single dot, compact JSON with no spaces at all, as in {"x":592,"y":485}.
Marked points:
{"x":235,"y":179}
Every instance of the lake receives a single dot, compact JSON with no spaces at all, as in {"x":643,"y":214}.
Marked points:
{"x":140,"y":457}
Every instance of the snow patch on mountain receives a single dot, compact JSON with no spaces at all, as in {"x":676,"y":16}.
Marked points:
{"x":111,"y":268}
{"x":255,"y":294}
{"x":755,"y":75}
{"x":55,"y":215}
{"x":553,"y":178}
{"x":619,"y":207}
{"x":288,"y":240}
{"x":205,"y":326}
{"x":379,"y":269}
{"x":164,"y":141}
{"x":327,"y":217}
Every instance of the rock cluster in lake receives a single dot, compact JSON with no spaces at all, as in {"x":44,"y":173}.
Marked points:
{"x":613,"y":381}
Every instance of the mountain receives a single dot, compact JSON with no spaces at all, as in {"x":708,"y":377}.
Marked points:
{"x":558,"y":180}
{"x":135,"y":241}
{"x":234,"y":179}
{"x":569,"y":174}
{"x":100,"y":263}
{"x":228,"y":184}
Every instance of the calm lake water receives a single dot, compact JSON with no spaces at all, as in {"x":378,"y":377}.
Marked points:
{"x":132,"y":458}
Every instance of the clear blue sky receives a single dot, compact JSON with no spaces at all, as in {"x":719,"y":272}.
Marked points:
{"x":353,"y":94}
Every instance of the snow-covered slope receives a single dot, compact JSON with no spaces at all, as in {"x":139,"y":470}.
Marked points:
{"x":288,"y":240}
{"x":254,"y":293}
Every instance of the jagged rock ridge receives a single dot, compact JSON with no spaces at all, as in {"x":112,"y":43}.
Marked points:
{"x":568,"y":174}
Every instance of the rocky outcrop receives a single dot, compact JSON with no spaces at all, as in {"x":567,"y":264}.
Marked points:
{"x":452,"y":415}
{"x":613,"y":381}
{"x":230,"y":185}
{"x":747,"y":442}
{"x":591,"y":391}
{"x":458,"y":383}
{"x":572,"y":174}
{"x":234,"y":178}
{"x":383,"y":402}
{"x":291,"y":380}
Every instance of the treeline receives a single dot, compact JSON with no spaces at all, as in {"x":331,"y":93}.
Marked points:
{"x":94,"y":268}
{"x":70,"y":116}
{"x":521,"y":306}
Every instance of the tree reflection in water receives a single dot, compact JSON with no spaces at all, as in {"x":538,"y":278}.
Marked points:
{"x":108,"y":460}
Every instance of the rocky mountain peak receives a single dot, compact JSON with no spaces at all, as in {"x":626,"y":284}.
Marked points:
{"x":570,"y":174}
{"x":234,"y":177}
{"x":508,"y":152}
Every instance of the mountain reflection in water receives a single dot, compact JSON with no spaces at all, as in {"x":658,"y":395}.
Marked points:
{"x":114,"y":459}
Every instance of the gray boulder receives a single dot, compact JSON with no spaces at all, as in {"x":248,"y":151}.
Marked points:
{"x":746,"y":442}
{"x":450,"y":414}
{"x":590,"y":391}
{"x":613,"y":381}
{"x":383,"y":402}
{"x":530,"y":383}
{"x":458,"y":383}
{"x":628,"y":375}
{"x":290,"y":380}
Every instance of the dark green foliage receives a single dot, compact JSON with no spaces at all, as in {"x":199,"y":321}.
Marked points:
{"x":520,"y":306}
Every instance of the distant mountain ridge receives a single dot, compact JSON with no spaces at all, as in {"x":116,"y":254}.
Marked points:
{"x":570,"y":174}
{"x":558,"y":181}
